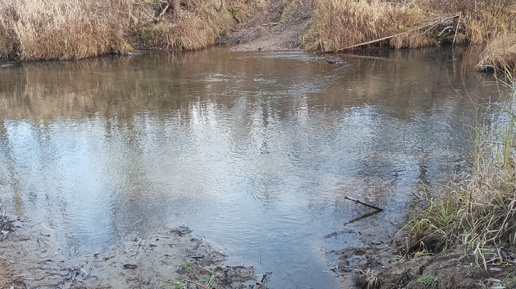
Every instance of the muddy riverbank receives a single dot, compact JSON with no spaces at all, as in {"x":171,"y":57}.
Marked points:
{"x":173,"y":258}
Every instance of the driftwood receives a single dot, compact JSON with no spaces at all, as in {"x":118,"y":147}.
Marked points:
{"x":362,"y":203}
{"x":401,"y":33}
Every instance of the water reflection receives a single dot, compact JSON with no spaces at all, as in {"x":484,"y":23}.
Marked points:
{"x":254,"y":151}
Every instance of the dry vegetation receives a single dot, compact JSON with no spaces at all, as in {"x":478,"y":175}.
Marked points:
{"x":53,"y":29}
{"x":340,"y":24}
{"x":64,"y":29}
{"x":479,"y":210}
{"x":500,"y":54}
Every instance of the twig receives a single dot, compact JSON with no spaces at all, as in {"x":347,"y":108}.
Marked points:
{"x":197,"y":283}
{"x":444,"y":30}
{"x":362,"y":203}
{"x":199,"y":267}
{"x":163,"y":12}
{"x":456,"y":29}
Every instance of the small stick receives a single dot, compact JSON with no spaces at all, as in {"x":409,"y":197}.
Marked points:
{"x":456,"y":29}
{"x":199,"y":267}
{"x":362,"y":203}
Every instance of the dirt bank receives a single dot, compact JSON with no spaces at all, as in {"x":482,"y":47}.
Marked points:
{"x":31,"y":258}
{"x":381,"y":264}
{"x":279,"y":28}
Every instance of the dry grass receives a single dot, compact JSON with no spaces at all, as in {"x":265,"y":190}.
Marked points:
{"x":56,"y":29}
{"x":191,"y":27}
{"x":484,"y":20}
{"x":500,"y":54}
{"x":339,"y":24}
{"x":479,"y":210}
{"x":74,"y":29}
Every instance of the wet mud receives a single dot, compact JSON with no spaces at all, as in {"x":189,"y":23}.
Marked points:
{"x":174,"y":258}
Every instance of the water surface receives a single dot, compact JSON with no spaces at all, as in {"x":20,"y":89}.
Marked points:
{"x":253,"y":151}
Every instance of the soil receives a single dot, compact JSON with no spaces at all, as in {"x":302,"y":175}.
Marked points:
{"x":277,"y":28}
{"x":30,"y":258}
{"x":453,"y":269}
{"x":380,"y":264}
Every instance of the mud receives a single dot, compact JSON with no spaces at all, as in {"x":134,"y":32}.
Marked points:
{"x":382,"y":265}
{"x":455,"y":269}
{"x":31,"y":258}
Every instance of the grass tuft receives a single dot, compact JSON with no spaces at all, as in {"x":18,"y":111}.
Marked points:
{"x":478,"y":212}
{"x":500,"y":54}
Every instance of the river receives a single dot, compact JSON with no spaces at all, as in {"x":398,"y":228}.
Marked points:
{"x":254,"y":151}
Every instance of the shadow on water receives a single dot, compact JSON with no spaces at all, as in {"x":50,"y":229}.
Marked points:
{"x":254,"y":151}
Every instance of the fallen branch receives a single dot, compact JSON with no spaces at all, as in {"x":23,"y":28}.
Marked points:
{"x":362,"y":203}
{"x":398,"y":34}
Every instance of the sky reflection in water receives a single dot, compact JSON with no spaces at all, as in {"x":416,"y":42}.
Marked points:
{"x":254,"y":151}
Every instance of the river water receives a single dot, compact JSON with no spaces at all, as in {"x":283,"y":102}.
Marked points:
{"x":253,"y":151}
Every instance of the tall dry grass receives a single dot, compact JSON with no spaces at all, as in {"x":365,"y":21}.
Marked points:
{"x":74,"y":29}
{"x":191,"y":26}
{"x":483,"y":20}
{"x":340,"y":24}
{"x":337,"y":24}
{"x":57,"y":29}
{"x":500,"y":54}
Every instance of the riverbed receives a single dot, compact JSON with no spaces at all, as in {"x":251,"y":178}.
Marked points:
{"x":253,"y":151}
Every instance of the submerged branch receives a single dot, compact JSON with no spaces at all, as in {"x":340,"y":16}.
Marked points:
{"x":362,"y":203}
